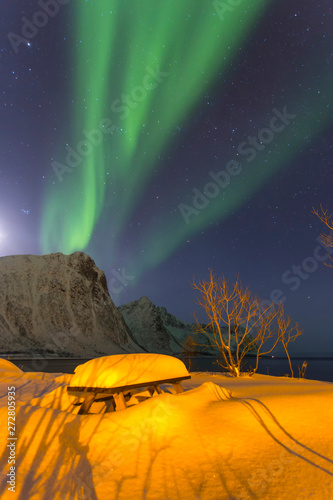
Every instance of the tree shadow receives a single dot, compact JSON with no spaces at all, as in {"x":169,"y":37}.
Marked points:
{"x":250,"y":403}
{"x":52,"y":460}
{"x":77,"y":478}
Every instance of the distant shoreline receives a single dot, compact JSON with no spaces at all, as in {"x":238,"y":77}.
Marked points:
{"x":25,"y":357}
{"x":318,"y":368}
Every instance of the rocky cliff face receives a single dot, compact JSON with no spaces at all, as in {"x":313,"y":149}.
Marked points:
{"x":144,"y":320}
{"x":58,"y":304}
{"x":156,"y":330}
{"x":180,"y":330}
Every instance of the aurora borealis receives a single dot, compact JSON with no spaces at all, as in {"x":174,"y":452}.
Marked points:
{"x":117,"y":115}
{"x":152,"y":92}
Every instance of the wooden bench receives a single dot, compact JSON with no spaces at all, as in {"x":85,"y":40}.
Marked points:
{"x":116,"y":398}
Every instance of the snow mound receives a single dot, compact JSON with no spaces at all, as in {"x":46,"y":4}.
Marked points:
{"x":221,"y":393}
{"x":58,"y":399}
{"x":127,"y":369}
{"x":7,"y":366}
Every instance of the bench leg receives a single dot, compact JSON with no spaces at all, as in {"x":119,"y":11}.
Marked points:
{"x":85,"y":407}
{"x":153,"y":388}
{"x":120,"y":401}
{"x":178,"y":387}
{"x":110,"y":405}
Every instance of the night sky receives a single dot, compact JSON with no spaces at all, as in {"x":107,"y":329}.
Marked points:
{"x":167,"y":138}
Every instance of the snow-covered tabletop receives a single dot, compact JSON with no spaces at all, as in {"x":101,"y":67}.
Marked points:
{"x":128,"y":369}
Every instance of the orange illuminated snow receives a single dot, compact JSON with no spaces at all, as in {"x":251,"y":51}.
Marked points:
{"x":127,"y":369}
{"x":223,"y":438}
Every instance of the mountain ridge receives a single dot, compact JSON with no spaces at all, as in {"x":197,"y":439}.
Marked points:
{"x":58,"y":304}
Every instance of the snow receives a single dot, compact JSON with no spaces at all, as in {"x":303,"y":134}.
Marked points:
{"x":8,"y":366}
{"x":120,"y":370}
{"x":223,"y":438}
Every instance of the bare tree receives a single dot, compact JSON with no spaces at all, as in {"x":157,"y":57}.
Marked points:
{"x":302,"y":370}
{"x":327,"y":219}
{"x":239,"y":323}
{"x":289,"y":332}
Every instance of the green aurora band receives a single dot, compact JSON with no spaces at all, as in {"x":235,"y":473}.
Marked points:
{"x":292,"y":142}
{"x":189,"y":46}
{"x":117,"y":44}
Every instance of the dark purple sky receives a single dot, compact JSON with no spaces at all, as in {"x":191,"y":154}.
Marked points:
{"x":261,"y":226}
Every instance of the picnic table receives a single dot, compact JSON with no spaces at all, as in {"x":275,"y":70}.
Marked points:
{"x":116,"y":398}
{"x":124,"y":379}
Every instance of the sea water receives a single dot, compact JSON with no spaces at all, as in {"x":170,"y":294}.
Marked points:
{"x":317,"y":368}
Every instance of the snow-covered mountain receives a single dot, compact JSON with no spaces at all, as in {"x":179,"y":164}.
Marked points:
{"x":144,"y":320}
{"x":59,"y":304}
{"x":157,"y":330}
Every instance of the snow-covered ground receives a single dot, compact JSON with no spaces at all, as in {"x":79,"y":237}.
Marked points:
{"x":223,"y":438}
